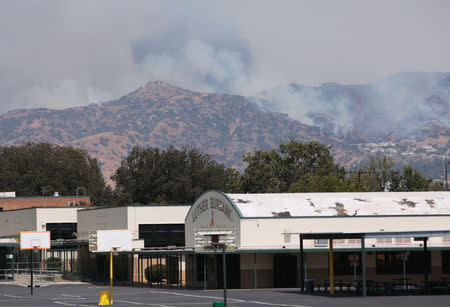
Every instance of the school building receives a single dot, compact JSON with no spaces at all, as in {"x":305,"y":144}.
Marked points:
{"x":269,"y":240}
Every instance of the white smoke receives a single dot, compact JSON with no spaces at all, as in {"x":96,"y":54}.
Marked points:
{"x":60,"y":54}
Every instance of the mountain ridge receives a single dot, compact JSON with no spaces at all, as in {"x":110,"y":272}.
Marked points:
{"x":223,"y":125}
{"x":159,"y":115}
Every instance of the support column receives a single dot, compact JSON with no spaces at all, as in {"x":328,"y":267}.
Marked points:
{"x":425,"y":259}
{"x":132,"y":270}
{"x":256,"y":272}
{"x":331,"y":267}
{"x":224,"y":277}
{"x":363,"y":266}
{"x":302,"y":266}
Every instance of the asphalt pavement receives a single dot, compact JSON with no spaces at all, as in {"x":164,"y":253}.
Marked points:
{"x":85,"y":295}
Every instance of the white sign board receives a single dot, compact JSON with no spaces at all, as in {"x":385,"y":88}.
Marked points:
{"x":35,"y":240}
{"x":118,"y":240}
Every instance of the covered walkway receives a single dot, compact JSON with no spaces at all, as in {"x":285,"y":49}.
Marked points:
{"x":330,"y":236}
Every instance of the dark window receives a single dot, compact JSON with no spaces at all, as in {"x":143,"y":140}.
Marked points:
{"x":62,"y":230}
{"x":161,"y":235}
{"x":445,"y":261}
{"x":415,"y":262}
{"x":392,"y":262}
{"x":389,"y":263}
{"x":345,"y":263}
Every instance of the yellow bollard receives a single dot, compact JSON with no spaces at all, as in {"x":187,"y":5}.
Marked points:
{"x":104,"y":298}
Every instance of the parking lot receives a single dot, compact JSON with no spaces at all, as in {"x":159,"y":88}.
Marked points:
{"x":87,"y":295}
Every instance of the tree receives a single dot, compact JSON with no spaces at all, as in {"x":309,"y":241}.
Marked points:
{"x":293,"y":167}
{"x":377,"y":174}
{"x":329,"y":183}
{"x":409,"y":180}
{"x":41,"y":169}
{"x":169,"y":176}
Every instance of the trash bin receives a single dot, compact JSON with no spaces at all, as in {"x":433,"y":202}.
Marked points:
{"x":218,"y":304}
{"x":309,"y":286}
{"x":388,"y":287}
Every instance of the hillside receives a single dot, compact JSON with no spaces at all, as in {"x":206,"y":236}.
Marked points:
{"x":405,"y":116}
{"x":160,"y":114}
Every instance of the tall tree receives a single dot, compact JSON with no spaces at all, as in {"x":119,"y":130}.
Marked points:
{"x":41,"y":169}
{"x":377,"y":174}
{"x":409,"y":179}
{"x":290,"y":167}
{"x":169,"y":176}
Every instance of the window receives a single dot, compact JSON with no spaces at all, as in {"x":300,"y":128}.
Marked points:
{"x":446,"y":239}
{"x":402,"y":240}
{"x":339,"y":241}
{"x":64,"y":231}
{"x":162,"y":235}
{"x":320,"y":242}
{"x":354,"y":241}
{"x":384,"y":240}
{"x":392,"y":262}
{"x":389,"y":263}
{"x":287,"y":238}
{"x":344,"y":263}
{"x":415,"y":262}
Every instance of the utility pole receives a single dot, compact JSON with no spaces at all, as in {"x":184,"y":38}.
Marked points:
{"x":446,"y":175}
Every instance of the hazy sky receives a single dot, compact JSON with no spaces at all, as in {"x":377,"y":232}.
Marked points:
{"x":66,"y":53}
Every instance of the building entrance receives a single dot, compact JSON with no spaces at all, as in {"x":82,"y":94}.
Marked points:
{"x":284,"y":271}
{"x":233,"y":271}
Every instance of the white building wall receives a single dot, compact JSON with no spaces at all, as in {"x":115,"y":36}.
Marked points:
{"x":55,"y":215}
{"x":268,"y":233}
{"x":129,"y":218}
{"x":156,"y":214}
{"x":14,"y":221}
{"x":113,"y":218}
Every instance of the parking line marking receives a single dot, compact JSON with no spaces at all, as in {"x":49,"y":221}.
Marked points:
{"x":62,"y":303}
{"x":139,"y":303}
{"x":129,"y":302}
{"x":15,"y":296}
{"x":272,"y":304}
{"x":199,"y":296}
{"x":70,"y":295}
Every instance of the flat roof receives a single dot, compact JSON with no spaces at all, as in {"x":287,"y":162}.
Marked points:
{"x":27,"y":197}
{"x":282,"y":205}
{"x":38,"y":207}
{"x":136,"y":205}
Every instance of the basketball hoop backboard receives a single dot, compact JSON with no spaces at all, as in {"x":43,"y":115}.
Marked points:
{"x":112,"y":240}
{"x":35,"y":240}
{"x":217,"y":240}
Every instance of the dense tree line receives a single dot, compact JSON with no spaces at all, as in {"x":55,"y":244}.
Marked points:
{"x":152,"y":175}
{"x":168,"y":176}
{"x":41,"y":169}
